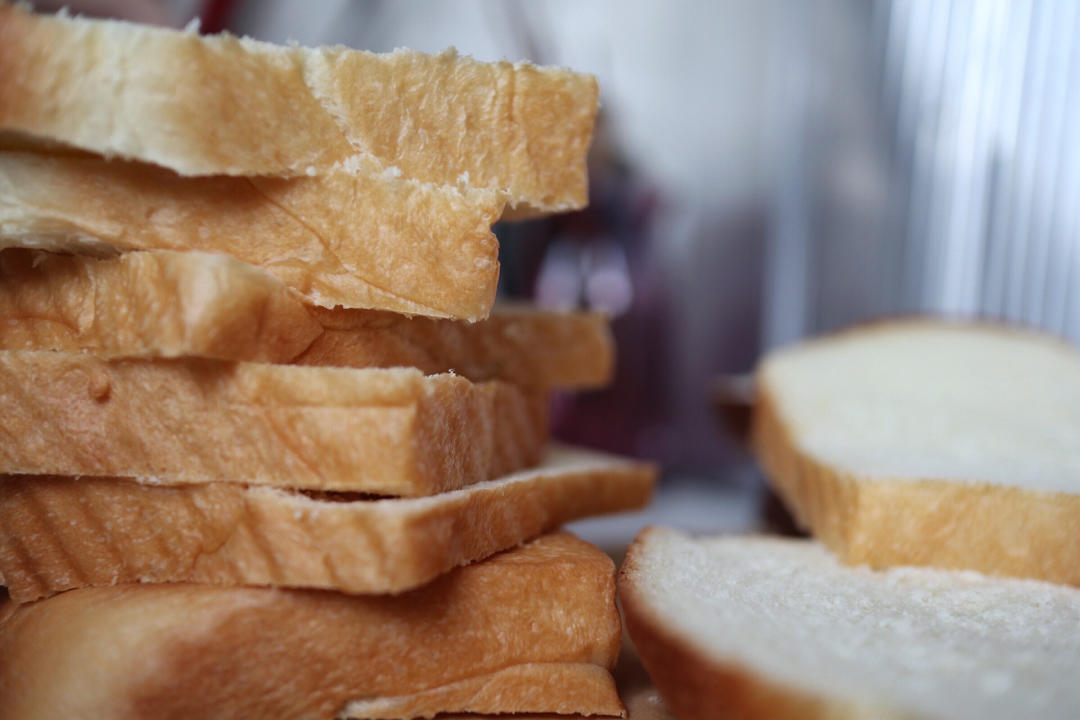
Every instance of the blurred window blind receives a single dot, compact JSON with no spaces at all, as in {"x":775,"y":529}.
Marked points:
{"x":961,"y":194}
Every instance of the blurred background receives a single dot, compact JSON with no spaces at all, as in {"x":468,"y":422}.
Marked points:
{"x":763,"y":170}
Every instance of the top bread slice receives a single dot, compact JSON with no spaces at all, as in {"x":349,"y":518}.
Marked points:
{"x":927,"y":442}
{"x":174,"y":304}
{"x":517,"y":622}
{"x":219,"y":105}
{"x":770,"y":629}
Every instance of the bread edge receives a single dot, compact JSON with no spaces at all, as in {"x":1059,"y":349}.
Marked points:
{"x":695,"y":685}
{"x":885,"y":522}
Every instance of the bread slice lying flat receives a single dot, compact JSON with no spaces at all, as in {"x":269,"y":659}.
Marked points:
{"x":768,"y":628}
{"x":387,"y":432}
{"x":184,"y":651}
{"x":930,"y":443}
{"x":61,"y":532}
{"x":170,"y":304}
{"x":338,"y":238}
{"x":241,"y":107}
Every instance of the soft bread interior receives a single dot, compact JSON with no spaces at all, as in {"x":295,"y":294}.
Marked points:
{"x":899,"y":643}
{"x":934,"y":400}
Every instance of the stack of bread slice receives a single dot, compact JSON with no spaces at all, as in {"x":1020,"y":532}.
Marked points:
{"x":938,"y":464}
{"x":267,"y":450}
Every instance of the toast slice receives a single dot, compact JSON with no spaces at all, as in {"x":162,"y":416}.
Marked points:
{"x":778,"y":630}
{"x":338,"y":238}
{"x":246,"y":108}
{"x":186,"y":651}
{"x":62,"y":533}
{"x":929,"y":443}
{"x":385,"y":432}
{"x":171,"y":304}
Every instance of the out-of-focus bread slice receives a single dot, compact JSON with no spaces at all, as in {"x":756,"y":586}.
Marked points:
{"x":187,"y":651}
{"x":338,"y":238}
{"x":780,"y":630}
{"x":387,"y":432}
{"x":930,"y":443}
{"x":555,"y":688}
{"x":62,"y":533}
{"x":169,"y":304}
{"x":220,"y":105}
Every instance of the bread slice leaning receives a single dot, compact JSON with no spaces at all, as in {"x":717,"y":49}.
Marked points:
{"x":62,"y":533}
{"x":169,"y":304}
{"x":929,"y":443}
{"x":769,"y":628}
{"x":338,"y":238}
{"x":185,"y":651}
{"x":247,"y":108}
{"x":386,"y":432}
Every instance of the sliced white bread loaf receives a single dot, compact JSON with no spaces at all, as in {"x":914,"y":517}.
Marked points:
{"x":778,"y":629}
{"x":930,"y":443}
{"x":218,"y":105}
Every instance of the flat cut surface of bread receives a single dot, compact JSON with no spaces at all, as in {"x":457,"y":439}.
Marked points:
{"x":185,"y":651}
{"x":62,"y":533}
{"x":338,"y":238}
{"x":169,"y":304}
{"x":768,"y":628}
{"x":386,"y":432}
{"x":241,"y":107}
{"x":930,"y":443}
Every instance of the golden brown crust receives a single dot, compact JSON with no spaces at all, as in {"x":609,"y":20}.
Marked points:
{"x":62,"y":533}
{"x":523,"y":346}
{"x":183,"y":651}
{"x":338,"y":238}
{"x":994,"y":529}
{"x":156,"y":304}
{"x":164,"y":303}
{"x":697,"y":686}
{"x":557,"y":688}
{"x":388,"y":432}
{"x":439,"y":119}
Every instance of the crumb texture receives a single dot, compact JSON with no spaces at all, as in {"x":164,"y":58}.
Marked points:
{"x":906,"y":642}
{"x":934,"y":400}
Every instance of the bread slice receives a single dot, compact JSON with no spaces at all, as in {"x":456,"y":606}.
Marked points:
{"x":555,"y":688}
{"x":187,"y":651}
{"x":338,"y":238}
{"x":241,"y":107}
{"x":777,"y":629}
{"x":386,"y":432}
{"x":170,"y":304}
{"x":62,"y":533}
{"x":930,"y":443}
